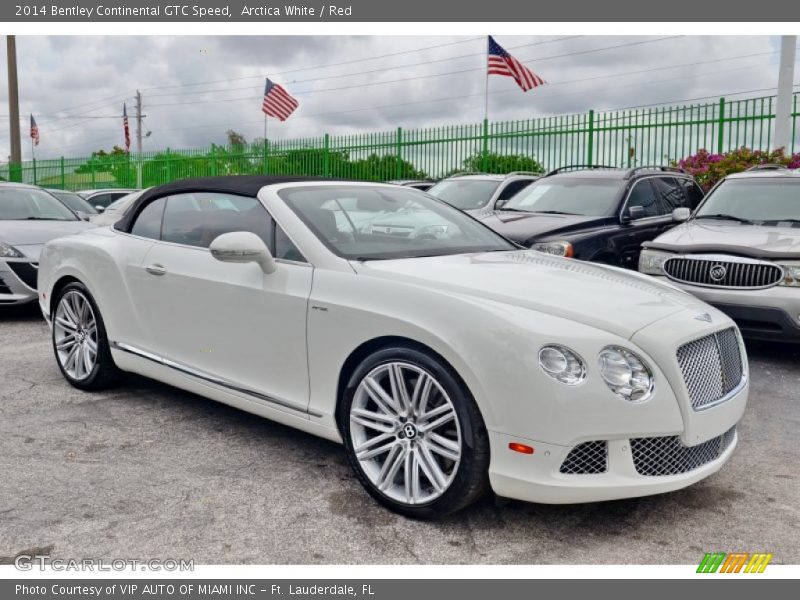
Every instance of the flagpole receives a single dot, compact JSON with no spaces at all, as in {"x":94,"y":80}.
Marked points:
{"x":486,"y":87}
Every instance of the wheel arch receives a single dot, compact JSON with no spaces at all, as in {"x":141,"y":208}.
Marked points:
{"x":59,"y":285}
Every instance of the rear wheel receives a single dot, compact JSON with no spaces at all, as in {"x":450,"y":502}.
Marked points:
{"x":79,"y":340}
{"x":414,"y":435}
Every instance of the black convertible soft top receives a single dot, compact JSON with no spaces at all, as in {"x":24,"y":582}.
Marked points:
{"x":241,"y":185}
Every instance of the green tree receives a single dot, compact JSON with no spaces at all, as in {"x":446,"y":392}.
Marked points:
{"x":501,"y":163}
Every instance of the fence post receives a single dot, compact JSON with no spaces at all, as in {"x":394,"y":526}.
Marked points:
{"x":265,"y":166}
{"x":485,"y":151}
{"x":169,"y":167}
{"x":590,"y":140}
{"x":34,"y":172}
{"x":63,"y":175}
{"x":721,"y":126}
{"x":91,"y":165}
{"x":398,"y":171}
{"x":213,"y":159}
{"x":326,"y":156}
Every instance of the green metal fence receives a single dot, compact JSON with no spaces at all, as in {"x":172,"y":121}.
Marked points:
{"x":641,"y":136}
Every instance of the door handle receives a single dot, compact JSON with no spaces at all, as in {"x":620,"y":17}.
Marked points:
{"x":156,"y":269}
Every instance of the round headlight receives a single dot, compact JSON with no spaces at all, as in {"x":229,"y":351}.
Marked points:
{"x":626,"y":374}
{"x":562,"y":364}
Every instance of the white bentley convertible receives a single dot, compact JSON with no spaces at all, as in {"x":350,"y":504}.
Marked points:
{"x":445,"y":358}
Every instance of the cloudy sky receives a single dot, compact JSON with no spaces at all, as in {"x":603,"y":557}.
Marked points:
{"x":196,"y":88}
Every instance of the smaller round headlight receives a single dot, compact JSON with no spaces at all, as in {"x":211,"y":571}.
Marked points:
{"x":626,"y":374}
{"x":562,"y":364}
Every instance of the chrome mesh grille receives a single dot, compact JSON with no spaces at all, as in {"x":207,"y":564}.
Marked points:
{"x":711,"y":367}
{"x":656,"y":456}
{"x":721,"y":273}
{"x":586,"y":458}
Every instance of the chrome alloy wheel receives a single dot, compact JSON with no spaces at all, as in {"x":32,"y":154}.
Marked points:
{"x":405,"y":433}
{"x":75,"y":335}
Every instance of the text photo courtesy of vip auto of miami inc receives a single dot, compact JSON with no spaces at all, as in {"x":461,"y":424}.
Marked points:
{"x":400,"y":300}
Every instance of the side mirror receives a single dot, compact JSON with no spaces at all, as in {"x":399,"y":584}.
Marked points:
{"x":500,"y":204}
{"x":100,"y":209}
{"x":243,"y":247}
{"x":682,"y":214}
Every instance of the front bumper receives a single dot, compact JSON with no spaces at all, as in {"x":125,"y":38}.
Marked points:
{"x":16,"y":277}
{"x":537,"y":477}
{"x":769,"y":314}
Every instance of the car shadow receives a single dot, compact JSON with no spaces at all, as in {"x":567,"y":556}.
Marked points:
{"x":20,"y":312}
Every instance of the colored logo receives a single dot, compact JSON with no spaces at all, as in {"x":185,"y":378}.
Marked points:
{"x":735,"y":562}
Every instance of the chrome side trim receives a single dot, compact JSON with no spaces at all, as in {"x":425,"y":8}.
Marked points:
{"x":208,"y":377}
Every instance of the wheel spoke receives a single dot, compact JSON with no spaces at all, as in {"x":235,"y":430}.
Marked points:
{"x":437,"y":417}
{"x":66,"y":323}
{"x":399,"y":389}
{"x":443,"y":446}
{"x":91,"y":345}
{"x":433,"y":472}
{"x":375,"y":446}
{"x":372,"y":420}
{"x":422,"y":391}
{"x":393,"y":462}
{"x":67,"y":342}
{"x":411,"y":473}
{"x":88,"y":364}
{"x":69,"y":309}
{"x":379,"y":396}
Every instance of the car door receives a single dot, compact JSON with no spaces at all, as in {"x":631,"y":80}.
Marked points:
{"x":229,"y":323}
{"x":645,"y":226}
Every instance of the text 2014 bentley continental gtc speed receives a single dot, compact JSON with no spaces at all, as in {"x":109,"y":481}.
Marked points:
{"x":446,"y":364}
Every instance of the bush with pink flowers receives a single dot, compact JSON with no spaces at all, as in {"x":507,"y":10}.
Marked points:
{"x":708,"y":168}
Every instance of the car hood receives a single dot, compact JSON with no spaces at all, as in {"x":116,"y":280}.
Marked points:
{"x":621,"y":302}
{"x":521,"y":227}
{"x":29,"y":236}
{"x":756,"y":241}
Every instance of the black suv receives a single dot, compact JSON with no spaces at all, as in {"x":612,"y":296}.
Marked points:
{"x":601,"y":214}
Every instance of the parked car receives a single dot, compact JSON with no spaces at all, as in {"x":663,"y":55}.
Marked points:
{"x":597,"y":214}
{"x":75,"y":203}
{"x":740,"y":252}
{"x":418,"y":184}
{"x":100,"y":199}
{"x":446,"y":366}
{"x":29,"y":217}
{"x":115,"y":210}
{"x":476,"y":193}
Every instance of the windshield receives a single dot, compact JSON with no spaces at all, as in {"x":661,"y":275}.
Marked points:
{"x":75,"y":202}
{"x":466,"y":194}
{"x":372,"y":223}
{"x":575,"y":196}
{"x":24,"y":204}
{"x":757,"y":200}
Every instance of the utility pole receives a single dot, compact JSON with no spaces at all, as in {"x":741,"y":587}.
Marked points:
{"x":15,"y":166}
{"x":783,"y":108}
{"x":139,"y":117}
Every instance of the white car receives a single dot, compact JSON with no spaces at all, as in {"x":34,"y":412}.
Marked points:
{"x":445,"y":365}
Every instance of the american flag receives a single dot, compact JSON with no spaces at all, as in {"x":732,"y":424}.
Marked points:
{"x":34,"y":131}
{"x":277,"y":101}
{"x":126,"y":128}
{"x":502,"y":63}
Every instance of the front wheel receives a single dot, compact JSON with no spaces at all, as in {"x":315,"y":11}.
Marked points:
{"x":414,"y":435}
{"x":79,"y":340}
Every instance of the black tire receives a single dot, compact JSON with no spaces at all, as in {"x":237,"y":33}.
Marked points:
{"x":471,"y":478}
{"x":104,"y":373}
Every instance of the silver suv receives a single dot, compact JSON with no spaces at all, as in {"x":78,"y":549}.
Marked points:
{"x":740,"y":252}
{"x":475,"y":193}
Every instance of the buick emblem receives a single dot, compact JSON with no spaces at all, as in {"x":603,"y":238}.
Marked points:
{"x":718,"y":272}
{"x":704,"y":317}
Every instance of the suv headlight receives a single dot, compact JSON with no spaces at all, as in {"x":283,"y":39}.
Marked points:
{"x":7,"y":251}
{"x":562,"y":364}
{"x":651,"y":262}
{"x":558,"y":248}
{"x":791,"y":274}
{"x":626,"y":374}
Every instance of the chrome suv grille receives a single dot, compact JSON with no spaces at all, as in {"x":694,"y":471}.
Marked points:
{"x":656,"y":456}
{"x":711,"y":366}
{"x":718,"y":272}
{"x":586,"y":458}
